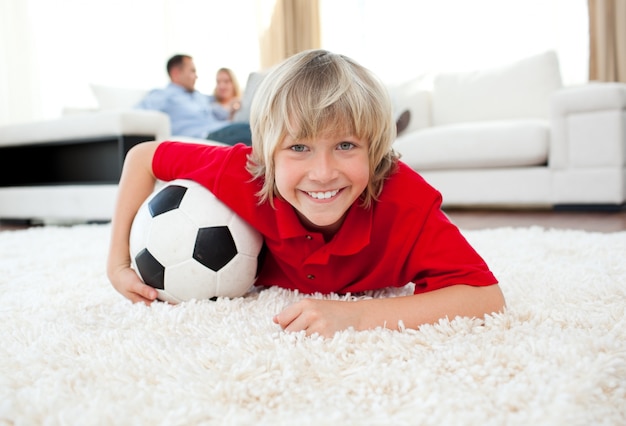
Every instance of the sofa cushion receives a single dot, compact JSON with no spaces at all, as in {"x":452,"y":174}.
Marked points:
{"x":495,"y":144}
{"x":413,"y":96}
{"x":518,"y":90}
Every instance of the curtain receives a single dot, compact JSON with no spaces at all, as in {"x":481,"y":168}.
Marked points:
{"x":607,"y":40}
{"x":20,"y":87}
{"x":294,"y":26}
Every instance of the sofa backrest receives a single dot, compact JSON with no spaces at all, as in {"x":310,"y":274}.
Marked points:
{"x":519,"y":90}
{"x":252,"y":84}
{"x":110,"y":97}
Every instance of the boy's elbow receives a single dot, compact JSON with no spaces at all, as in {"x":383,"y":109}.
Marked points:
{"x":494,"y":299}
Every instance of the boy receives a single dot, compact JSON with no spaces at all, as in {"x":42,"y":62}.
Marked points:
{"x":338,"y":211}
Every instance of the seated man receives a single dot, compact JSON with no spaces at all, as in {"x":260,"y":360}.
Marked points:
{"x":191,"y":113}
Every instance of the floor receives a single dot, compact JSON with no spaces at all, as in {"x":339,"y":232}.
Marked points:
{"x":593,"y":221}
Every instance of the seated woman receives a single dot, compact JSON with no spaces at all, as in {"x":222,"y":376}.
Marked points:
{"x":226,"y":99}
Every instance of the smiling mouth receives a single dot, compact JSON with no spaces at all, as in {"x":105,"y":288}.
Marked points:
{"x":323,"y":195}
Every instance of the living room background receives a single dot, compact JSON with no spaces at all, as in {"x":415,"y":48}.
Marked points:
{"x":50,"y":52}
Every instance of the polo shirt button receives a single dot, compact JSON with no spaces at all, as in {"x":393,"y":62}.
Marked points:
{"x":308,"y":237}
{"x":311,"y":276}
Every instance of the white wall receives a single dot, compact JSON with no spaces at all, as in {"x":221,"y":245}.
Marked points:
{"x":51,"y":50}
{"x":400,"y":39}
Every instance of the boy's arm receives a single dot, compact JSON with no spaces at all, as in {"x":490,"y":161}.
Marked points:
{"x":136,"y":184}
{"x":325,"y":317}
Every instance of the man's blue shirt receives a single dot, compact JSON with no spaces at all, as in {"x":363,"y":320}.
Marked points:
{"x":191,"y":113}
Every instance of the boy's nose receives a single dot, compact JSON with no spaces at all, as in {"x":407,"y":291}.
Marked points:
{"x":323,"y":168}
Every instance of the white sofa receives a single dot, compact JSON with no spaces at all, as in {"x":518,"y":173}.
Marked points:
{"x":513,"y":136}
{"x":510,"y":137}
{"x":66,"y":170}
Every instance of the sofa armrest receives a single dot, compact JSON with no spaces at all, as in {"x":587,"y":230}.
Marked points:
{"x":588,"y":125}
{"x":88,"y":126}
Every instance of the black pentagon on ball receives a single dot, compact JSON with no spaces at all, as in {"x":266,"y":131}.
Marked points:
{"x":152,"y":272}
{"x":169,"y":198}
{"x":214,"y":247}
{"x":260,"y":259}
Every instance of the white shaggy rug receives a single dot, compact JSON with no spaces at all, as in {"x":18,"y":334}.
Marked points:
{"x":74,"y":352}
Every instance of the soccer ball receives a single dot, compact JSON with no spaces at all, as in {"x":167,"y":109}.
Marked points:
{"x":187,"y":244}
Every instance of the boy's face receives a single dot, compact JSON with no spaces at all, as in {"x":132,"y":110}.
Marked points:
{"x":322,"y":178}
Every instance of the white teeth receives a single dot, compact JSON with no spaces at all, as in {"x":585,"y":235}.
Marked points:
{"x":323,"y":195}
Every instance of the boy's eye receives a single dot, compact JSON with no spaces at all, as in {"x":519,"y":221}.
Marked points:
{"x":298,"y":148}
{"x":345,"y":146}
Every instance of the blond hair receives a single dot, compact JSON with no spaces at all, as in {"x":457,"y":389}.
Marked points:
{"x":313,"y":93}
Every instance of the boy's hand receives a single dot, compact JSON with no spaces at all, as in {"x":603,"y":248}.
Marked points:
{"x":128,"y":283}
{"x":324,"y":317}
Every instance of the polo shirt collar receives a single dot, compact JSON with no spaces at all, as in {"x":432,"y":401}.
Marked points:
{"x":352,"y":237}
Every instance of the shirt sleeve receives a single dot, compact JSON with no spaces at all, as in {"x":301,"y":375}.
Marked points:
{"x":442,"y":256}
{"x":199,"y":162}
{"x":221,"y":169}
{"x":219,"y":112}
{"x":432,"y":251}
{"x":154,"y":100}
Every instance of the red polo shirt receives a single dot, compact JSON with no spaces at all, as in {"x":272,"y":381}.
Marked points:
{"x":404,"y":237}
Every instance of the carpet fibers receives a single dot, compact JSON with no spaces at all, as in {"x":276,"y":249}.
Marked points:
{"x":75,"y":352}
